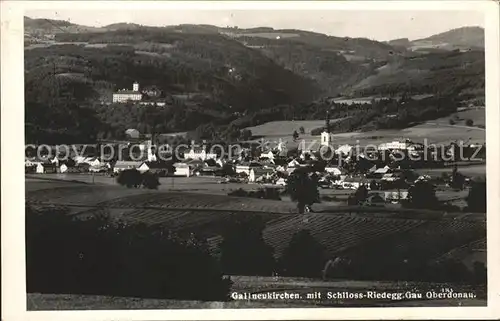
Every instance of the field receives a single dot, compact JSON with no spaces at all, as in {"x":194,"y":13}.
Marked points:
{"x":337,"y":228}
{"x":433,"y":132}
{"x":285,"y":127}
{"x":478,"y":116}
{"x":362,"y":235}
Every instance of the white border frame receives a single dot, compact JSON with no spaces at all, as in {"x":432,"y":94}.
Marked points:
{"x":12,"y":108}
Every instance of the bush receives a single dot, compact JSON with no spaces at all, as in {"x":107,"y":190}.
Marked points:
{"x":451,"y":121}
{"x":469,"y":122}
{"x":98,"y":256}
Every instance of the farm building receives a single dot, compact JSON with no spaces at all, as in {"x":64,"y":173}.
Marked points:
{"x":258,"y":173}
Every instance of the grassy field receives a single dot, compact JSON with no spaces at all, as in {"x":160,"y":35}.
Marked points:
{"x":433,"y":132}
{"x":478,"y":116}
{"x":285,"y":127}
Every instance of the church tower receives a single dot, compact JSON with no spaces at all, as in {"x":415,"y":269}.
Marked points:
{"x":326,"y":136}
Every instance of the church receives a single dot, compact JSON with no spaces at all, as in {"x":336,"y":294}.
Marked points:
{"x":326,"y":136}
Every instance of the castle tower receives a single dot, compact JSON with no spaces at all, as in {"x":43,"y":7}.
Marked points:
{"x":135,"y":86}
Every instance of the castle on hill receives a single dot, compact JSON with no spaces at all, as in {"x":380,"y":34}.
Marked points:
{"x":145,"y":97}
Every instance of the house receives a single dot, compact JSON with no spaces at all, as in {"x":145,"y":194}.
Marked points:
{"x":269,"y":155}
{"x":354,"y":182}
{"x":65,"y":168}
{"x":124,"y":95}
{"x":382,"y":171}
{"x":132,"y":133}
{"x":182,"y":169}
{"x":123,"y":165}
{"x":344,"y":149}
{"x":46,"y":168}
{"x":375,"y":200}
{"x":396,"y":196}
{"x":158,"y":168}
{"x":389,"y":177}
{"x":82,"y":168}
{"x":199,"y":153}
{"x":400,"y":145}
{"x":98,"y":169}
{"x":257,"y":173}
{"x":246,"y":167}
{"x":335,"y":171}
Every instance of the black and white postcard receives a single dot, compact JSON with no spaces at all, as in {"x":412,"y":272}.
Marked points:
{"x":255,"y":160}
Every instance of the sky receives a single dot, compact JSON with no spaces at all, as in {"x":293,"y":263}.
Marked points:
{"x":377,"y":25}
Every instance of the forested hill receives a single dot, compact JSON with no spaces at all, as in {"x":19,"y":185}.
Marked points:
{"x":212,"y":75}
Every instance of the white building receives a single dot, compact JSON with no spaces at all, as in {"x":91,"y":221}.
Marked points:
{"x":199,"y":153}
{"x":128,"y":95}
{"x":397,"y":145}
{"x":182,"y":169}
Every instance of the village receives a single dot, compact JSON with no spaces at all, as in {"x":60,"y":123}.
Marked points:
{"x":387,"y":171}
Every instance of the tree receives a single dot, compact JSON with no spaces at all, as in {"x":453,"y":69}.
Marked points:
{"x":476,"y":200}
{"x":304,"y":256}
{"x":469,"y":122}
{"x":303,"y":189}
{"x":373,"y":185}
{"x":422,"y":195}
{"x":129,"y":178}
{"x":457,"y":180}
{"x":295,"y":135}
{"x":302,"y":130}
{"x":150,"y":180}
{"x":361,"y":194}
{"x":243,"y":250}
{"x":69,"y":255}
{"x":246,"y":134}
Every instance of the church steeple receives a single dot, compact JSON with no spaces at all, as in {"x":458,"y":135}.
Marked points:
{"x":327,"y":121}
